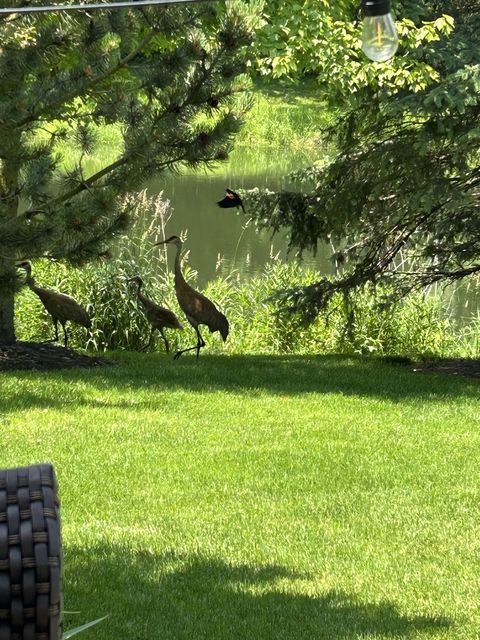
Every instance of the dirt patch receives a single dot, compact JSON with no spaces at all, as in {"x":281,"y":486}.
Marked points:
{"x":453,"y":366}
{"x":33,"y":356}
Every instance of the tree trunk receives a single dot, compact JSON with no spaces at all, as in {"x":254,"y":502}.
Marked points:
{"x":7,"y":329}
{"x":9,"y":209}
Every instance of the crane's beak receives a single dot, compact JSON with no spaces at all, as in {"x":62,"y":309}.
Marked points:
{"x":155,"y":244}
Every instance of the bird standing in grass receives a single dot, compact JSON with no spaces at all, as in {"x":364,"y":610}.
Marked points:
{"x":159,"y":317}
{"x":197,"y":308}
{"x":61,"y":307}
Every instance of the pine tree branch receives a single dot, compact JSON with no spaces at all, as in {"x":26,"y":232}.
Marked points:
{"x":84,"y":90}
{"x":86,"y":184}
{"x":89,"y":182}
{"x":312,"y":298}
{"x":429,"y":277}
{"x":30,"y":213}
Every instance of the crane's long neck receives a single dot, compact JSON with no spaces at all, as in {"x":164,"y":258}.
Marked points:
{"x":179,"y":279}
{"x":30,"y":281}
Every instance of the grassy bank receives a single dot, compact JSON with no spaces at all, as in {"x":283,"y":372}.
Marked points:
{"x":285,"y":116}
{"x":271,"y":498}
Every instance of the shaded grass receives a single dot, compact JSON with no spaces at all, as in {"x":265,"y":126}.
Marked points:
{"x":259,"y":497}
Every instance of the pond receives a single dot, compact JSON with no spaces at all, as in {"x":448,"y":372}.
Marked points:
{"x":222,"y":243}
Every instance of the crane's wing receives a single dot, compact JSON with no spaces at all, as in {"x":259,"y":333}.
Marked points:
{"x":62,"y":306}
{"x":162,"y":316}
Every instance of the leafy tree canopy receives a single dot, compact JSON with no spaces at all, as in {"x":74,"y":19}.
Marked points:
{"x":322,"y":39}
{"x":403,"y":182}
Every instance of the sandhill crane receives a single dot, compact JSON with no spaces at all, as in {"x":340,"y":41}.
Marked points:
{"x":159,"y":317}
{"x":231,"y":200}
{"x":197,"y":308}
{"x":61,"y":307}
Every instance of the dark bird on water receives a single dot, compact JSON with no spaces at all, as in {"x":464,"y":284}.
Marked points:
{"x":159,"y":317}
{"x":231,"y":200}
{"x":197,"y":308}
{"x":61,"y":307}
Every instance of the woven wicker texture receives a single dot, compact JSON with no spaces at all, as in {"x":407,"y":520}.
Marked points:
{"x":30,"y":555}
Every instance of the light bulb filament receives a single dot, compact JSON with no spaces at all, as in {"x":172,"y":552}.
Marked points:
{"x":379,"y":34}
{"x":379,"y":37}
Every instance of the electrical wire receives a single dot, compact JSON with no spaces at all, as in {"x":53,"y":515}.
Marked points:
{"x":88,"y":6}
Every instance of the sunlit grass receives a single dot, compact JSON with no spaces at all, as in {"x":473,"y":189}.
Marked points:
{"x":259,"y":497}
{"x":286,"y":116}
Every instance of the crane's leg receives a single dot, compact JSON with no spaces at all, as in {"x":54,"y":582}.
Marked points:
{"x":167,"y":346}
{"x":147,"y":346}
{"x":198,"y":346}
{"x":200,"y":342}
{"x":55,"y":324}
{"x":65,"y":337}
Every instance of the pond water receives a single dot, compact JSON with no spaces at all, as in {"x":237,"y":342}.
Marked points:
{"x":222,"y":243}
{"x":220,"y":240}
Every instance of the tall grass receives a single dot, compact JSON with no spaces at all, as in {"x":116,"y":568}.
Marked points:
{"x":286,"y":116}
{"x":415,"y":327}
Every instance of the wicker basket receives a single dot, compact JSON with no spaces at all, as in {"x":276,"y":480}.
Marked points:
{"x":30,"y":555}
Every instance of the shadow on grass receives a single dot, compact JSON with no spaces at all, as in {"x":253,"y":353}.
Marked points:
{"x":178,"y":598}
{"x":243,"y":375}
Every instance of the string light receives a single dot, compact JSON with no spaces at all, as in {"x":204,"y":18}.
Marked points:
{"x":379,"y":35}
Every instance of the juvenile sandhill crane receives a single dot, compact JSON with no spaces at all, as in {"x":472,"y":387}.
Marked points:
{"x":197,"y":308}
{"x":159,"y":317}
{"x":61,"y":307}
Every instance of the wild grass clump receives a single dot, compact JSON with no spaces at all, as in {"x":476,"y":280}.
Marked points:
{"x":415,"y":327}
{"x":285,"y":116}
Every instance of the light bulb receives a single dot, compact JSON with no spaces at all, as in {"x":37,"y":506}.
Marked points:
{"x":379,"y":35}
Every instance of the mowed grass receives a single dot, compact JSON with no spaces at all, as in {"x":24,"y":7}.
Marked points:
{"x":259,"y":498}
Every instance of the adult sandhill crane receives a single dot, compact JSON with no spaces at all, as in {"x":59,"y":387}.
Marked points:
{"x":61,"y":307}
{"x":159,"y":317}
{"x":197,"y":308}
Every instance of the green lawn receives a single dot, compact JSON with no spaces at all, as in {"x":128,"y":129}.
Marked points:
{"x":259,"y":498}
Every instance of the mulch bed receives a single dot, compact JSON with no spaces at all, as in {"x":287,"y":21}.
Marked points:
{"x":34,"y":356}
{"x":453,"y":366}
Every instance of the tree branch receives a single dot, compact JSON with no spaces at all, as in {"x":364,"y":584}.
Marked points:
{"x":84,"y":90}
